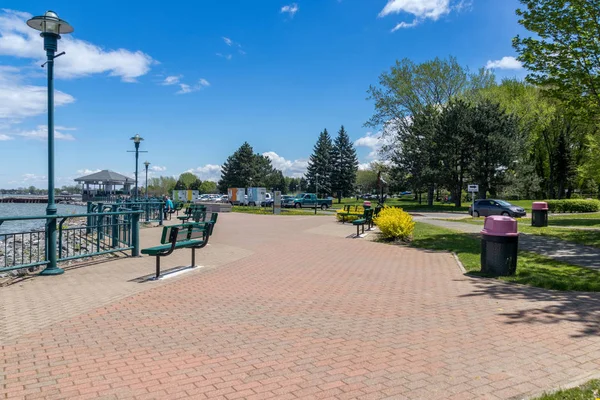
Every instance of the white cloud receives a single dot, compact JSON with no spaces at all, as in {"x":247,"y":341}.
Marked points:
{"x":33,"y":177}
{"x":227,"y":41}
{"x":4,"y":137}
{"x":86,"y":171}
{"x":19,"y":100}
{"x":419,"y":8}
{"x":41,"y":133}
{"x":422,"y":10}
{"x":373,"y":141}
{"x":225,"y":56}
{"x":81,"y":59}
{"x":158,"y":168}
{"x":404,"y":25}
{"x":185,"y":88}
{"x":172,"y":80}
{"x":294,"y":169}
{"x":504,"y":63}
{"x":208,"y":172}
{"x":291,"y":9}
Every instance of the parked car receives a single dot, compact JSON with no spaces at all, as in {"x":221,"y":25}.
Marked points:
{"x":287,"y":201}
{"x":310,"y":199}
{"x":268,"y":202}
{"x":487,"y":207}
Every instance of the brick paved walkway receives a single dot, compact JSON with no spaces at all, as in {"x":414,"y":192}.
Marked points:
{"x":299,"y":311}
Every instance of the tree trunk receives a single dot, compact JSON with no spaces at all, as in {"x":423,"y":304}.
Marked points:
{"x":420,"y":198}
{"x":430,"y":193}
{"x":339,"y":197}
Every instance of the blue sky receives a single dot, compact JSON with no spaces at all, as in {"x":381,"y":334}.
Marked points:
{"x":199,"y":78}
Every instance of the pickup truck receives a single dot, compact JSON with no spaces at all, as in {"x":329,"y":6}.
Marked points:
{"x":310,"y":200}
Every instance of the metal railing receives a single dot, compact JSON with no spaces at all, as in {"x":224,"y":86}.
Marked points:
{"x":79,"y":236}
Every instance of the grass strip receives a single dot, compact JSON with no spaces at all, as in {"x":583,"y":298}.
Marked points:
{"x":532,"y":269}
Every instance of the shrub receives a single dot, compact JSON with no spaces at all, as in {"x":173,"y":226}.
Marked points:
{"x":395,"y":223}
{"x":573,"y":206}
{"x":354,"y":215}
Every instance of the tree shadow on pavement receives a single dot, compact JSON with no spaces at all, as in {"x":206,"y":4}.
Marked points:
{"x":547,"y":307}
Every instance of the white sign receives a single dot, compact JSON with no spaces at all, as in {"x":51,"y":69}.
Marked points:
{"x":473,"y":189}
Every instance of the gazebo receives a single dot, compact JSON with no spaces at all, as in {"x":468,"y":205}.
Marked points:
{"x":103,"y":185}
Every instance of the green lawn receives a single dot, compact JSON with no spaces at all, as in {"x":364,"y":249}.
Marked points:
{"x":587,"y":391}
{"x":407,"y":203}
{"x":532,"y":269}
{"x":556,"y":228}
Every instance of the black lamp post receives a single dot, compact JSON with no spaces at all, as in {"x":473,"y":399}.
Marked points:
{"x":146,"y":163}
{"x":51,"y":27}
{"x":137,"y":139}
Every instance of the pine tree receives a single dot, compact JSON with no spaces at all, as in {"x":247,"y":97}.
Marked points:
{"x":239,"y":168}
{"x":344,"y":165}
{"x":318,"y":173}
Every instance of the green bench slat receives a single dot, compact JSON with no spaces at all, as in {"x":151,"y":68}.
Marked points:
{"x":359,"y":222}
{"x":158,"y":249}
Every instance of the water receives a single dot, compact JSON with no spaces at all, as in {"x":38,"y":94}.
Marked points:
{"x":28,"y":209}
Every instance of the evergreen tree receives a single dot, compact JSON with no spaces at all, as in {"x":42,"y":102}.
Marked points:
{"x":239,"y":168}
{"x":344,"y":165}
{"x":180,"y":185}
{"x":319,"y":169}
{"x":196,"y":185}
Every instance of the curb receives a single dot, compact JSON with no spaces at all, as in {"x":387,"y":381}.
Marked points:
{"x":462,"y":268}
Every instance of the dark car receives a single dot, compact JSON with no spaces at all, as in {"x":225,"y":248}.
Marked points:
{"x":287,"y":201}
{"x":487,"y":207}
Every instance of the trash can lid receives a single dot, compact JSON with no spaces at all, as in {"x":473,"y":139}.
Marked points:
{"x":539,"y":205}
{"x":497,"y":225}
{"x":367,"y":204}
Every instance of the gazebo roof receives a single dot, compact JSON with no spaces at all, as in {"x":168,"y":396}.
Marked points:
{"x":104,"y":176}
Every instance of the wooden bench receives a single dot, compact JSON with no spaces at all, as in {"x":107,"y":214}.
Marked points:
{"x":185,"y":236}
{"x":367,"y":219}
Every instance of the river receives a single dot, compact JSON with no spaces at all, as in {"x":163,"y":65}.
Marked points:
{"x":27,"y":209}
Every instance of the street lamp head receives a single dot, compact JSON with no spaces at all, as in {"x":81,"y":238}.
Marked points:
{"x":50,"y":23}
{"x":146,"y":163}
{"x":137,"y":138}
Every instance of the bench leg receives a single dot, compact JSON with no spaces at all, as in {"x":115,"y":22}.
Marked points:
{"x":363,"y":228}
{"x":157,"y":267}
{"x":357,"y":234}
{"x":193,"y":257}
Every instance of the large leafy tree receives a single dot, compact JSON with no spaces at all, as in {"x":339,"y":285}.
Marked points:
{"x":495,"y":145}
{"x":319,"y":169}
{"x":564,"y":55}
{"x":344,"y":165}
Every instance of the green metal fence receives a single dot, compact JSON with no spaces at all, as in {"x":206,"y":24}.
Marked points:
{"x":105,"y":230}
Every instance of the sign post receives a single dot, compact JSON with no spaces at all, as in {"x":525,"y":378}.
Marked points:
{"x":277,"y":202}
{"x":473,"y":189}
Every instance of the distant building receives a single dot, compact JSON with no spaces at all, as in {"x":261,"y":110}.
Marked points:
{"x":105,"y":185}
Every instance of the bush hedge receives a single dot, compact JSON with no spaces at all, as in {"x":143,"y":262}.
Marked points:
{"x":573,"y":206}
{"x":395,"y":223}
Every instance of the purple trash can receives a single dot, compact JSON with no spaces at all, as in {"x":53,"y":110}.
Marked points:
{"x":499,"y":246}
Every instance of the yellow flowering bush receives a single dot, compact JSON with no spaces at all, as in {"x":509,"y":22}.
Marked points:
{"x":395,"y":223}
{"x":354,"y":214}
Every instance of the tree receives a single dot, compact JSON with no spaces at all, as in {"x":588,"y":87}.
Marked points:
{"x":320,"y":166}
{"x":494,"y":147}
{"x":180,"y":185}
{"x":366,"y":180}
{"x":209,"y":187}
{"x":245,"y":169}
{"x":187,"y":179}
{"x":239,"y":169}
{"x":457,"y":135}
{"x":196,"y":184}
{"x":344,"y":165}
{"x":563,"y":56}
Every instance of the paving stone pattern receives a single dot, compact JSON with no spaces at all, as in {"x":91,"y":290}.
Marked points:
{"x":304,"y":312}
